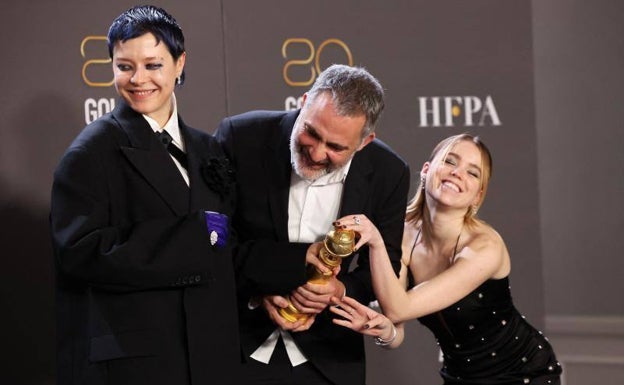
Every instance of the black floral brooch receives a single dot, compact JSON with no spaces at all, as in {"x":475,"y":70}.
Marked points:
{"x":219,"y":176}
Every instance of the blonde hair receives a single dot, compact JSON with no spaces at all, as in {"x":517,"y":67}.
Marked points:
{"x":417,"y":211}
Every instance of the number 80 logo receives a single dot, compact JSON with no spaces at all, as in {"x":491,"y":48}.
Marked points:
{"x":315,"y":54}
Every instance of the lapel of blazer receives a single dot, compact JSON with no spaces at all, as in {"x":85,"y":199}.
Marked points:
{"x":198,"y":156}
{"x":357,"y":185}
{"x":278,"y":170}
{"x":151,"y":159}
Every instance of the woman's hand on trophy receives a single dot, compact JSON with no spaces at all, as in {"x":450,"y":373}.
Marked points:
{"x":272,"y":304}
{"x":367,"y":232}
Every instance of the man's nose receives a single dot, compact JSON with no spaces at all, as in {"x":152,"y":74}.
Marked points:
{"x":317,"y":153}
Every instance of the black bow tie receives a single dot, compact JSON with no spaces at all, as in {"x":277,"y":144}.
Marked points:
{"x":167,"y":141}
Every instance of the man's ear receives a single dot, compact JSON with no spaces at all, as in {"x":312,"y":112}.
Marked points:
{"x":369,"y":138}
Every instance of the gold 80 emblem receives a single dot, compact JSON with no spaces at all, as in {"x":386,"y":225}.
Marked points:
{"x":91,"y":62}
{"x":312,"y":61}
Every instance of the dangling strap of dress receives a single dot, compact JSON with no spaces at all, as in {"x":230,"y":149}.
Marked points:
{"x":418,"y":235}
{"x":411,"y":282}
{"x":410,"y":279}
{"x":415,"y":240}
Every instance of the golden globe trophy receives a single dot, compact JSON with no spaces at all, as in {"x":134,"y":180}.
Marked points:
{"x":338,"y":244}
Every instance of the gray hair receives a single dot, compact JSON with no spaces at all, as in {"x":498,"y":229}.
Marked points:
{"x":354,"y":91}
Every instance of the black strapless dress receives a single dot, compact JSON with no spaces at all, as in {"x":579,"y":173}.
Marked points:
{"x":485,"y":340}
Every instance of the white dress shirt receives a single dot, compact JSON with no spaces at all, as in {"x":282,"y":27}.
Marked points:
{"x":173,"y":128}
{"x":312,"y":207}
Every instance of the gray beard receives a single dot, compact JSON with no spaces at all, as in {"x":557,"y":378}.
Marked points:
{"x":304,"y":172}
{"x":296,"y":162}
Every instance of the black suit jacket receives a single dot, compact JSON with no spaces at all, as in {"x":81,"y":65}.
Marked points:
{"x":142,"y":295}
{"x":376,"y":185}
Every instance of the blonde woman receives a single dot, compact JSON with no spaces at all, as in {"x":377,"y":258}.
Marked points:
{"x":458,"y":270}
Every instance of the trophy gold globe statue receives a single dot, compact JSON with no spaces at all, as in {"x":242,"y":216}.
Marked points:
{"x":338,"y":244}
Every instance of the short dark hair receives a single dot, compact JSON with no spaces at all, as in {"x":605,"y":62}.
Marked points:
{"x":142,"y":19}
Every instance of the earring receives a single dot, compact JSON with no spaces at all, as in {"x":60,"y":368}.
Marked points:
{"x":474,"y":210}
{"x":422,"y":182}
{"x":179,"y":80}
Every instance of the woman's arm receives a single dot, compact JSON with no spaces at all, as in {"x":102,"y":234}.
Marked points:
{"x":483,"y":257}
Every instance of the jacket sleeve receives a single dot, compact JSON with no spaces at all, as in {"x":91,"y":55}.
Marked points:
{"x":91,"y":248}
{"x":263,"y":264}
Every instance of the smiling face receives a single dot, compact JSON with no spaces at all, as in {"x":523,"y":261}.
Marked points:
{"x":322,"y":140}
{"x":145,"y":75}
{"x":454,"y":177}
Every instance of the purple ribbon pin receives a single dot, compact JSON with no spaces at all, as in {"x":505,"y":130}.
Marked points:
{"x":217,"y":224}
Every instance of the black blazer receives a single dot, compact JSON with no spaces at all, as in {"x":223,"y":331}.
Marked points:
{"x":142,"y":295}
{"x":377,"y":186}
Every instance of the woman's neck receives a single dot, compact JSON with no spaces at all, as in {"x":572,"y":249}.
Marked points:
{"x":446,"y":226}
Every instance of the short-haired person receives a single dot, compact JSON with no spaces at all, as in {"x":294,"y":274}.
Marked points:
{"x":145,"y":280}
{"x":460,"y":269}
{"x":297,"y":172}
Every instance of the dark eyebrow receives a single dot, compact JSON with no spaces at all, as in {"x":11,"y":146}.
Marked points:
{"x":312,"y":132}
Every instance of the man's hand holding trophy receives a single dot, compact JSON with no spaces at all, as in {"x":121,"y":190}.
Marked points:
{"x":338,"y":244}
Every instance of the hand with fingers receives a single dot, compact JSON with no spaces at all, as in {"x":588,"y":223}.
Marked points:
{"x":272,"y":304}
{"x":363,"y":319}
{"x":367,"y":232}
{"x":323,"y":263}
{"x":313,"y":298}
{"x":312,"y":257}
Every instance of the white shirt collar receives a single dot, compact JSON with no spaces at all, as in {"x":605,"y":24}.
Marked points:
{"x":172,"y":126}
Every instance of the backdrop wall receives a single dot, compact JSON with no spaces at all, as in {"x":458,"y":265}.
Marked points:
{"x":448,"y":66}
